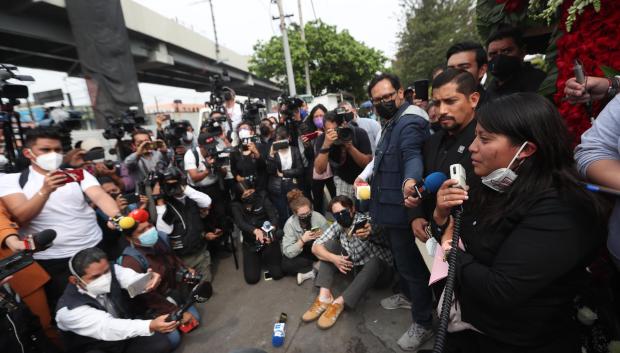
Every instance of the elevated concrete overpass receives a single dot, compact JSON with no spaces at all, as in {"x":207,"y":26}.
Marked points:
{"x":37,"y":34}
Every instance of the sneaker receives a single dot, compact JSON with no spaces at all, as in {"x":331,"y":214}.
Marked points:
{"x":316,"y":309}
{"x":415,"y":337}
{"x":396,"y":301}
{"x":302,"y":277}
{"x":329,"y":317}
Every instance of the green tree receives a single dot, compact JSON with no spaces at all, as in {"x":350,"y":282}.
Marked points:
{"x":337,"y":61}
{"x":431,"y":27}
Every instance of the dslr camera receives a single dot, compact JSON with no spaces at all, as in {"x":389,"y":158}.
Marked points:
{"x":345,"y":133}
{"x":289,"y":106}
{"x":184,"y":276}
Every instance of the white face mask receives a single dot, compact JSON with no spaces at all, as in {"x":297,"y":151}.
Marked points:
{"x":49,"y":161}
{"x":101,"y":285}
{"x":244,"y":134}
{"x":189,"y":136}
{"x":501,"y":179}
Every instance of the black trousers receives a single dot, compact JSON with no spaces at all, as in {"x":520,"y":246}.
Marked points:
{"x":270,"y":256}
{"x":157,"y":343}
{"x":318,"y":194}
{"x":220,"y":206}
{"x":469,"y":341}
{"x":58,"y":269}
{"x":301,"y":263}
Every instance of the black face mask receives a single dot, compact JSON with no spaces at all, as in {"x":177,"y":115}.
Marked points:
{"x":306,"y":222}
{"x":386,"y":110}
{"x":250,"y":200}
{"x":344,"y":218}
{"x":504,"y":66}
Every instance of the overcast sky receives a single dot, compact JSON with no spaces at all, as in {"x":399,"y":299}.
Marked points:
{"x":376,"y":23}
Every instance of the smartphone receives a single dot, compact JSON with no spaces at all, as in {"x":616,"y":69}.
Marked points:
{"x":359,"y":225}
{"x":267,"y":275}
{"x":311,"y":136}
{"x":315,"y":229}
{"x":94,"y":154}
{"x":280,"y":145}
{"x":131,"y":198}
{"x":457,"y":172}
{"x":421,"y":89}
{"x":71,"y":175}
{"x":139,"y":286}
{"x":14,"y":263}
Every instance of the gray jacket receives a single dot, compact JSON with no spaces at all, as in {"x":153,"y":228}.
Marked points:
{"x":293,"y":232}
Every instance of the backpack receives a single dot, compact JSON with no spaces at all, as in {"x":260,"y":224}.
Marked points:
{"x":131,"y":251}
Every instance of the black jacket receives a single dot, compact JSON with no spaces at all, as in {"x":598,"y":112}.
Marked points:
{"x":516,"y":281}
{"x":295,"y":172}
{"x":186,"y":237}
{"x":440,"y":151}
{"x":248,"y":219}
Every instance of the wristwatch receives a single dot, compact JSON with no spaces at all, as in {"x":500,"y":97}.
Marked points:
{"x":614,"y":86}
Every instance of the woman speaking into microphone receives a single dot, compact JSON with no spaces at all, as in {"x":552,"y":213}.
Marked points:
{"x":528,"y":235}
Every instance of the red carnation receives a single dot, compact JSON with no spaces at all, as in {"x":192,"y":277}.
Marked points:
{"x":512,"y":5}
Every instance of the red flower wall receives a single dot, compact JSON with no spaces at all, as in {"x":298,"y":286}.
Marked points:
{"x":595,"y":40}
{"x":513,"y":5}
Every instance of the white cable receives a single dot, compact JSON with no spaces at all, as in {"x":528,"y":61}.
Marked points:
{"x":15,"y":330}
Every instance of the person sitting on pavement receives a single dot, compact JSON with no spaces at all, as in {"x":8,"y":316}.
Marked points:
{"x":94,"y":314}
{"x":300,"y":231}
{"x":351,"y":247}
{"x":149,"y":249}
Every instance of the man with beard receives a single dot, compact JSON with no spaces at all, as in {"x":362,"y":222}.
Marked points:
{"x":397,"y":166}
{"x":456,"y":98}
{"x":505,"y":52}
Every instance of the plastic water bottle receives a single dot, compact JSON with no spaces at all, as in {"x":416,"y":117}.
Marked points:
{"x":279,"y":331}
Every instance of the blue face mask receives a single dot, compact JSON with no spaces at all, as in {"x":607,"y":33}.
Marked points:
{"x":148,"y":238}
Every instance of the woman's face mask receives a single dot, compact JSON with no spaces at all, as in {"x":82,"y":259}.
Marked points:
{"x":344,"y":218}
{"x":149,"y":237}
{"x":501,"y":179}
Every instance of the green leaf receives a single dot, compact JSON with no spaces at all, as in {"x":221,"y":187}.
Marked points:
{"x":608,"y":71}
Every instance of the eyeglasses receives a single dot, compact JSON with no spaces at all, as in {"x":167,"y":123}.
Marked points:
{"x":383,"y":99}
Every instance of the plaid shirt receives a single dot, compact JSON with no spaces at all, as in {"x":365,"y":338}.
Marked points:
{"x":360,"y":250}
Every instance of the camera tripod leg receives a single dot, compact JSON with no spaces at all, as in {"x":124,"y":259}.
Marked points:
{"x":233,"y":249}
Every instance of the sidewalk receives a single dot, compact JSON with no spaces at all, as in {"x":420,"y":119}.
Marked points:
{"x":241,"y":316}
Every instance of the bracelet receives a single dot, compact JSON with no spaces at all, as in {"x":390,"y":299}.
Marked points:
{"x":324,"y":150}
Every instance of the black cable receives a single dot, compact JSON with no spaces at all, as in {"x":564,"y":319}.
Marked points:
{"x":444,"y":317}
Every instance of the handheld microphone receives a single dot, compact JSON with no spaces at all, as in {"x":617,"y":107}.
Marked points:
{"x":40,"y":241}
{"x":200,"y":294}
{"x":431,"y":184}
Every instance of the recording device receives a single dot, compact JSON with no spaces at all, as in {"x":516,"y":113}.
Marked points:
{"x":175,"y":133}
{"x":127,"y":122}
{"x":250,"y":181}
{"x":362,"y":192}
{"x":343,"y":116}
{"x":71,"y":175}
{"x":580,"y":76}
{"x":219,"y":93}
{"x":268,"y":229}
{"x":361,"y":223}
{"x":95,"y":154}
{"x":421,"y":89}
{"x":214,"y":126}
{"x":200,"y":294}
{"x":280,"y":145}
{"x":10,"y":93}
{"x":345,"y":133}
{"x":430,"y":185}
{"x":184,"y":275}
{"x":457,"y":172}
{"x":288,"y":106}
{"x":310,"y":136}
{"x":251,"y":111}
{"x":131,"y":198}
{"x":36,"y":242}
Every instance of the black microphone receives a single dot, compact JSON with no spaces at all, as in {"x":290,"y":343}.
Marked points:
{"x":200,"y":294}
{"x":40,"y":241}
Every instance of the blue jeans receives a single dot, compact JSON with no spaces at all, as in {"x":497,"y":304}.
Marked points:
{"x":413,"y":273}
{"x":174,"y":337}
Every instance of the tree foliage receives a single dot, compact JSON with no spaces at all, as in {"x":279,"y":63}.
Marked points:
{"x":337,"y":61}
{"x":431,"y":27}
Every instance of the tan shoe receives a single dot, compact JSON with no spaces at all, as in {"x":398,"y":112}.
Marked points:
{"x":329,"y":317}
{"x":316,"y":309}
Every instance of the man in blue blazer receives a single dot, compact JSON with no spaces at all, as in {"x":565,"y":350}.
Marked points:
{"x":397,"y":165}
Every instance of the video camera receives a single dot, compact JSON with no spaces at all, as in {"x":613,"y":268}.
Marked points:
{"x":21,"y":259}
{"x":214,"y":126}
{"x":183,"y":275}
{"x":288,"y":106}
{"x":251,"y":111}
{"x":219,"y":93}
{"x":176,"y":131}
{"x":127,"y":122}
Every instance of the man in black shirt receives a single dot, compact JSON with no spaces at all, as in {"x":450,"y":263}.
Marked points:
{"x":346,"y":148}
{"x":505,"y":51}
{"x":455,"y":95}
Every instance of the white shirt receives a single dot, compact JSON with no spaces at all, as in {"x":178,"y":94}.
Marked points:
{"x":65,"y":211}
{"x":366,"y":174}
{"x":203,"y":200}
{"x":235,"y":115}
{"x":286,"y":159}
{"x":101,"y":325}
{"x":189,"y":160}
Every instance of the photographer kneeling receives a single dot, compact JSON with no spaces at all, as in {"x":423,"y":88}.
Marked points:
{"x":178,"y":215}
{"x":94,"y":314}
{"x":348,"y":246}
{"x":300,"y":231}
{"x":257,"y":219}
{"x":149,"y":249}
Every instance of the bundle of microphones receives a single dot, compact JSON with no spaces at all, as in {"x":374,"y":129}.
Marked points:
{"x":21,"y":259}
